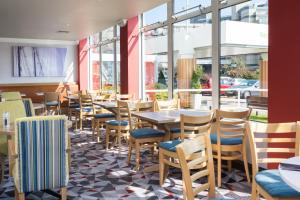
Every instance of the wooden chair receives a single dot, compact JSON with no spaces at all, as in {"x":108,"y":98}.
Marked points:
{"x":190,"y":158}
{"x":268,"y":183}
{"x":16,"y":110}
{"x":37,"y":170}
{"x":85,"y":111}
{"x":30,"y":112}
{"x":173,"y":104}
{"x":73,"y":104}
{"x":11,"y":96}
{"x":52,"y":102}
{"x":120,"y":125}
{"x":229,"y":143}
{"x":100,"y":117}
{"x":142,"y":134}
{"x":190,"y":126}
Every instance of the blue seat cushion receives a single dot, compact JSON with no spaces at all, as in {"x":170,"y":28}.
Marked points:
{"x":169,"y":145}
{"x":273,"y":184}
{"x":75,"y":105}
{"x":117,"y":123}
{"x":146,"y":132}
{"x":85,"y":109}
{"x":225,"y":141}
{"x":104,"y":115}
{"x":52,"y":103}
{"x":175,"y":130}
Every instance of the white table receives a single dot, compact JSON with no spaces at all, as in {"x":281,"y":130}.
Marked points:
{"x":292,"y":178}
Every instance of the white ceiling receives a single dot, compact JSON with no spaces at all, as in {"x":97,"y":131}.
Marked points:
{"x":41,"y":19}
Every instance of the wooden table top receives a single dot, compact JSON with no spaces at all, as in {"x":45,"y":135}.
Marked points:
{"x":166,"y":117}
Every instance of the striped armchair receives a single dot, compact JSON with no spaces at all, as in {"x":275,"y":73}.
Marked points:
{"x":40,"y":155}
{"x":28,"y":107}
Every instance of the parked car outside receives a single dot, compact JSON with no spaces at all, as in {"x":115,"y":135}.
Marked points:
{"x":246,"y":88}
{"x":225,"y":82}
{"x":237,"y":81}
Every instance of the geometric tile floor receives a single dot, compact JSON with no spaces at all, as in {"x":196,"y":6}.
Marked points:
{"x":99,"y":174}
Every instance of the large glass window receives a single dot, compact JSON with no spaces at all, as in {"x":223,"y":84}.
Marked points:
{"x":244,"y":49}
{"x":158,"y":14}
{"x":156,"y":63}
{"x":95,"y":60}
{"x":189,"y":5}
{"x":107,"y":71}
{"x":192,"y":61}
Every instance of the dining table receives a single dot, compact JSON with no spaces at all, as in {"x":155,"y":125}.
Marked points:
{"x":166,"y":120}
{"x":289,"y":171}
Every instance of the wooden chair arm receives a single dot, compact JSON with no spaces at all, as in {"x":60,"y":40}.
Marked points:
{"x":11,"y":150}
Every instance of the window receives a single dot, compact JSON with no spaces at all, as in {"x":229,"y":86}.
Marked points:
{"x":158,"y":14}
{"x":107,"y":71}
{"x":95,"y":61}
{"x":192,"y":62}
{"x":156,"y":63}
{"x":244,"y":49}
{"x":189,"y":5}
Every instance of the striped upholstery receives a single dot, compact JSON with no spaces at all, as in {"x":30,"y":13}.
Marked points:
{"x":16,"y":110}
{"x":28,"y":107}
{"x":41,"y":144}
{"x":11,"y":96}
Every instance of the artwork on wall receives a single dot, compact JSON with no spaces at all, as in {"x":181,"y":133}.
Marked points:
{"x":38,"y":61}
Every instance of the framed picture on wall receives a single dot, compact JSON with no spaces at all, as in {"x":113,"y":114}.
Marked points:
{"x":39,"y":61}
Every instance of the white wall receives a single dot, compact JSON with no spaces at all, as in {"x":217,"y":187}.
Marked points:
{"x":6,"y":61}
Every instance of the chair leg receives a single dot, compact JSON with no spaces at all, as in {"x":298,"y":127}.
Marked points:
{"x":162,"y":169}
{"x":107,"y":133}
{"x":19,"y":196}
{"x":98,"y":131}
{"x":129,"y":151}
{"x":63,"y":193}
{"x":137,"y":155}
{"x":254,"y":194}
{"x":2,"y":167}
{"x":119,"y":134}
{"x":219,"y":164}
{"x":229,"y":165}
{"x":246,"y":163}
{"x":93,"y":129}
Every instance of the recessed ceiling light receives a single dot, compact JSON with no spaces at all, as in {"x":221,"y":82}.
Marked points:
{"x":63,"y":31}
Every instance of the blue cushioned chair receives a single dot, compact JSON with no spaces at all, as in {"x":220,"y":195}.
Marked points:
{"x":268,"y":183}
{"x":35,"y":167}
{"x":229,"y":141}
{"x":142,"y":134}
{"x":190,"y":127}
{"x":52,"y":102}
{"x":28,"y":107}
{"x":120,"y":125}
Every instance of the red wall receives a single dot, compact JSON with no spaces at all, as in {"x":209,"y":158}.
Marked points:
{"x":83,"y":64}
{"x":284,"y":61}
{"x":284,"y":67}
{"x":129,"y":47}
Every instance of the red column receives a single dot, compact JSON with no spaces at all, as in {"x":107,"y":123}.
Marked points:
{"x":129,"y":47}
{"x":83,"y":64}
{"x":284,"y":69}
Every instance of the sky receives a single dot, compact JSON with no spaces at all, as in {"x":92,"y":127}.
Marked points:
{"x":160,"y":13}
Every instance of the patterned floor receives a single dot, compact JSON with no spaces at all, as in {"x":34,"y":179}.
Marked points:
{"x":99,"y":174}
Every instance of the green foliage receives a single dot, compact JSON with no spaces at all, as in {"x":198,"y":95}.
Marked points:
{"x":161,"y":95}
{"x":160,"y":86}
{"x":196,"y":78}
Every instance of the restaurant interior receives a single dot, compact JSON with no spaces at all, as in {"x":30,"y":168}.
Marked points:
{"x":149,"y":99}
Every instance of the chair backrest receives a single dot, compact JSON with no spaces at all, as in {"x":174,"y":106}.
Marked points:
{"x":196,"y":154}
{"x":93,"y":93}
{"x":173,"y":104}
{"x":11,"y":96}
{"x":272,"y":139}
{"x":192,"y":126}
{"x":231,"y":124}
{"x":145,"y":106}
{"x":41,"y":144}
{"x":124,"y":97}
{"x":51,"y":97}
{"x":86,"y":104}
{"x":28,"y":107}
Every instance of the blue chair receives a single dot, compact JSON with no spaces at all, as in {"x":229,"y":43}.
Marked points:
{"x":28,"y":107}
{"x":52,"y":102}
{"x":268,"y":183}
{"x":39,"y":155}
{"x":229,"y":142}
{"x":190,"y":127}
{"x":142,"y":135}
